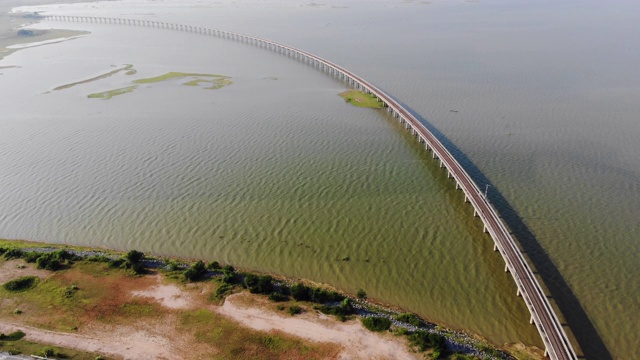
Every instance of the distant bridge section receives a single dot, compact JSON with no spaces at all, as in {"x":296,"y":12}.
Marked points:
{"x":556,"y":341}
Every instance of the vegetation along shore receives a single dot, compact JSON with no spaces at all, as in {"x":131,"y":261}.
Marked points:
{"x":82,"y":303}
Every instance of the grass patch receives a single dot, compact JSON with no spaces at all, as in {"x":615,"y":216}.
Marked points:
{"x":236,"y":342}
{"x":21,"y":284}
{"x":360,"y":99}
{"x":106,"y":95}
{"x":22,"y":346}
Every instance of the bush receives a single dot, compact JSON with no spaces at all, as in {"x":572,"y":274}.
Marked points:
{"x":172,"y":265}
{"x":341,"y":311}
{"x":116,"y":263}
{"x":301,"y":292}
{"x":31,"y":256}
{"x":258,"y":284}
{"x":214,"y":265}
{"x":425,"y":340}
{"x":98,"y":258}
{"x":196,"y":271}
{"x":294,"y":310}
{"x":134,"y":256}
{"x":49,"y":261}
{"x":13,"y":254}
{"x":14,"y":336}
{"x":322,"y":296}
{"x":375,"y":323}
{"x":222,"y":291}
{"x":21,"y":284}
{"x":277,"y":297}
{"x":409,"y":319}
{"x":46,"y":352}
{"x":361,"y":294}
{"x":228,"y":269}
{"x":231,"y":278}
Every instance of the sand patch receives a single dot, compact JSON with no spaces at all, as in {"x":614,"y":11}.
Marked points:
{"x":11,"y":269}
{"x":356,"y":341}
{"x":168,"y":295}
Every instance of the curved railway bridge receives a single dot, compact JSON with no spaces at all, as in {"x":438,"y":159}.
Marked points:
{"x":556,"y":341}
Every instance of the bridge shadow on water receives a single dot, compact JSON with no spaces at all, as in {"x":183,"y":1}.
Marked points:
{"x":576,"y":318}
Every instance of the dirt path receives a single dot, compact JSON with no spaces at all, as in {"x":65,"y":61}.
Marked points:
{"x":356,"y":341}
{"x":125,"y":343}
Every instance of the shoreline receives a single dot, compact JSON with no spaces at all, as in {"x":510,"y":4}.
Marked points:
{"x":457,"y":341}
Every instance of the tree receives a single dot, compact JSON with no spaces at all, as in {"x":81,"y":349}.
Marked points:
{"x":196,"y":271}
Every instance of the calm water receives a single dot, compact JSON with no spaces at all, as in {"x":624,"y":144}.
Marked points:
{"x":277,"y":173}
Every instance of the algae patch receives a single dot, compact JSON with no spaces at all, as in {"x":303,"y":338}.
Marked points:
{"x":111,"y":93}
{"x":360,"y":99}
{"x":206,"y":81}
{"x":215,"y":81}
{"x":128,"y":68}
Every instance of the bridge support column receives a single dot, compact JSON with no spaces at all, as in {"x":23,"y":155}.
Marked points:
{"x":506,"y":268}
{"x":485,"y":229}
{"x":531,"y":320}
{"x":475,"y":212}
{"x":518,"y":293}
{"x":466,"y":199}
{"x":457,"y":186}
{"x":495,"y":247}
{"x":546,"y":352}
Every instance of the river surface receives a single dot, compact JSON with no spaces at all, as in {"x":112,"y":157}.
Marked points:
{"x":276,"y":173}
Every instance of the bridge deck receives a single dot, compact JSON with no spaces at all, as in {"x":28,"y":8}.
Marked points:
{"x":553,"y":335}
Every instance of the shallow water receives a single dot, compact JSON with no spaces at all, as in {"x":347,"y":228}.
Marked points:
{"x":277,"y":173}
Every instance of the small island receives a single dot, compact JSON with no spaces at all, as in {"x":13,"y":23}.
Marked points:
{"x":360,"y":99}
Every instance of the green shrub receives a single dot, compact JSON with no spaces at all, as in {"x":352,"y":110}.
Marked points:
{"x":425,"y":340}
{"x":277,"y":297}
{"x":231,"y":278}
{"x":258,"y":284}
{"x":13,"y":352}
{"x":222,"y":291}
{"x":294,"y":310}
{"x":228,"y":269}
{"x":361,"y":294}
{"x":46,"y":352}
{"x":301,"y":292}
{"x":13,"y":254}
{"x":196,"y":271}
{"x":49,"y":261}
{"x":14,"y":336}
{"x":134,"y":256}
{"x":214,"y":265}
{"x":116,"y":263}
{"x":31,"y":256}
{"x":410,"y":319}
{"x":21,"y":284}
{"x":375,"y":323}
{"x":98,"y":258}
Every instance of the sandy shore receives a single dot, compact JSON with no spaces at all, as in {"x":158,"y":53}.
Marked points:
{"x":161,"y":337}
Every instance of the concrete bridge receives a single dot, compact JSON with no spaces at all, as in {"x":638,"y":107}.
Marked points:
{"x":556,"y":341}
